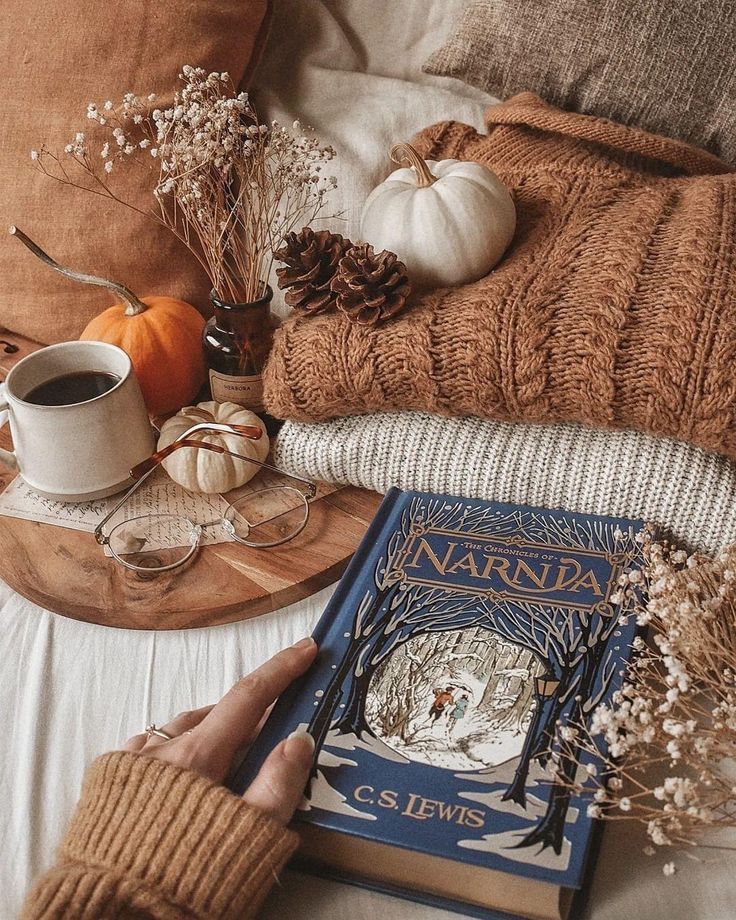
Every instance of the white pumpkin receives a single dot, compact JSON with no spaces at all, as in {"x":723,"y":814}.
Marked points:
{"x":204,"y":470}
{"x":449,"y":221}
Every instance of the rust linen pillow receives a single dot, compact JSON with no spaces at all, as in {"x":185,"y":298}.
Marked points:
{"x":663,"y":65}
{"x":59,"y":55}
{"x":615,"y":305}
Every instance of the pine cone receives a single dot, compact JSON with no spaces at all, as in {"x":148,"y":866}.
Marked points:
{"x":310,"y":261}
{"x":370,"y":287}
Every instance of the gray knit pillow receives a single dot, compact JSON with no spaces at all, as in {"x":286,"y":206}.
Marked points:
{"x":664,"y":65}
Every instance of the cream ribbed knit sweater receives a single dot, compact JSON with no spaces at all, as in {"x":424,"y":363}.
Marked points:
{"x":686,"y":490}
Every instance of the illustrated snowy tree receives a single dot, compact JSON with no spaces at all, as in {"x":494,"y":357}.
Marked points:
{"x":388,"y":615}
{"x":577,"y":646}
{"x":521,"y":677}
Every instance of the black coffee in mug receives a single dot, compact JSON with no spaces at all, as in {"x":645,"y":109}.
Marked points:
{"x":69,"y":389}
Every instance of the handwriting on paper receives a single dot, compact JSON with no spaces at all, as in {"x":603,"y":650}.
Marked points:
{"x":159,"y":495}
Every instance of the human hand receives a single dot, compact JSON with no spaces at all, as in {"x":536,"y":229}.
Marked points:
{"x":206,"y":740}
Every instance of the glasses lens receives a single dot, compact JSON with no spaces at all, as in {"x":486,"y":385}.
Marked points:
{"x":159,"y":541}
{"x":267,"y":517}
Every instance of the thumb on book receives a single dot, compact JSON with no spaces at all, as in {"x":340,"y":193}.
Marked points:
{"x":279,"y":785}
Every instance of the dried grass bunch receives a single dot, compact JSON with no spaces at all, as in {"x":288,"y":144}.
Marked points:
{"x":229,"y":187}
{"x":667,"y":742}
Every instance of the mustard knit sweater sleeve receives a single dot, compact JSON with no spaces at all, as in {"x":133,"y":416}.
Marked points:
{"x":151,"y":840}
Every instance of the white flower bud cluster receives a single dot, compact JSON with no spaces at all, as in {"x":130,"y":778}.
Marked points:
{"x":229,"y":186}
{"x":674,"y":717}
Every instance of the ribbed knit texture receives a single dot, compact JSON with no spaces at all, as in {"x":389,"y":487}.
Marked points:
{"x":149,"y":839}
{"x":689,"y":492}
{"x":615,"y":305}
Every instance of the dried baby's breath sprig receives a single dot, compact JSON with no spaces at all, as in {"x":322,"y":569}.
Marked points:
{"x":229,"y":187}
{"x":666,"y":744}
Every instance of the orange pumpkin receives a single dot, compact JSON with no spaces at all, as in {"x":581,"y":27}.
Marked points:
{"x":163,"y":338}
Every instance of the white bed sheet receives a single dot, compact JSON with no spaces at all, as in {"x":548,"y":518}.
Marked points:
{"x":70,"y":691}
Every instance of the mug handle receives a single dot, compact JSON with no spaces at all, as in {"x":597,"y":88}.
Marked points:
{"x":6,"y":456}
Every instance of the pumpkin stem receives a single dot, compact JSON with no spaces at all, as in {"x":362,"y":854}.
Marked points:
{"x":133,"y":306}
{"x":405,"y":153}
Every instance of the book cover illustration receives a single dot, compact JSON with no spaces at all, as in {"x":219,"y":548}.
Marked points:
{"x":462,"y":635}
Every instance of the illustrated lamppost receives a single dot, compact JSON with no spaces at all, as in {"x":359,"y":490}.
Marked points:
{"x":546,"y":685}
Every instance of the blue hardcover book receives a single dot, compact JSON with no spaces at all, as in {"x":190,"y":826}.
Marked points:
{"x":461,"y":636}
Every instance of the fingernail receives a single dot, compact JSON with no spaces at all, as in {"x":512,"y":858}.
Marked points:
{"x":304,"y":643}
{"x":299,"y":747}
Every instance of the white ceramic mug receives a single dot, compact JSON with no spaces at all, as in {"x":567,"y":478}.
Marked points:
{"x":83,"y":450}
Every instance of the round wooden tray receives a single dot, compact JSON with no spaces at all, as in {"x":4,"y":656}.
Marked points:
{"x":66,"y":571}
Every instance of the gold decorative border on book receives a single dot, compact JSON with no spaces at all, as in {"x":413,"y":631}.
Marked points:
{"x":615,"y":560}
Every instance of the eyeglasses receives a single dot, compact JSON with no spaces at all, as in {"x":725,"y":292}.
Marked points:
{"x":261,"y":518}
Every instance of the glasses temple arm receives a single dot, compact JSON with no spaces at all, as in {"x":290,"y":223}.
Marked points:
{"x":312,"y":486}
{"x":184,"y":441}
{"x":150,"y":463}
{"x":244,"y":431}
{"x":98,"y":531}
{"x":100,"y":537}
{"x":147,"y":467}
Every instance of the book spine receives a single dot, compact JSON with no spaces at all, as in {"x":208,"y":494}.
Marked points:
{"x":243,"y":772}
{"x":370,"y":540}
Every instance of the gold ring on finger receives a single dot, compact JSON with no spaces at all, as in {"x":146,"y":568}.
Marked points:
{"x":158,"y":732}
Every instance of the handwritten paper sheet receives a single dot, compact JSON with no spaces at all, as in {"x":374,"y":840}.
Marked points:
{"x":159,"y":495}
{"x":20,"y":501}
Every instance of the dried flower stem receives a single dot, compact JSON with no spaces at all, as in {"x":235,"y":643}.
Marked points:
{"x":667,"y":742}
{"x":228,"y":187}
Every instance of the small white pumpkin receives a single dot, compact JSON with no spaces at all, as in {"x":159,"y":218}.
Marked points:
{"x":204,"y":470}
{"x":449,"y":221}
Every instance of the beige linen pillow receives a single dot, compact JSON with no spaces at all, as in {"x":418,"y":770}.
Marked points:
{"x":664,"y":65}
{"x":59,"y":55}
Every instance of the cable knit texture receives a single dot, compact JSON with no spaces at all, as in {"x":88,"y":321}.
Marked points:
{"x":151,"y":840}
{"x":688,"y":492}
{"x":615,"y":305}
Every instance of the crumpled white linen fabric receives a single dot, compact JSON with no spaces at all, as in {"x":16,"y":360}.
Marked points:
{"x":70,"y":691}
{"x":352,"y":71}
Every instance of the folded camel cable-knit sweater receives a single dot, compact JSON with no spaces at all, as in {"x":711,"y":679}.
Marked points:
{"x":615,"y":305}
{"x":151,"y":840}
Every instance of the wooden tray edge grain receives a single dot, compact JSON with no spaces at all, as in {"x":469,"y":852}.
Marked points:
{"x":66,"y":572}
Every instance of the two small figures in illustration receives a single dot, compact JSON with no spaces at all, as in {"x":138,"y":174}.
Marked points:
{"x":445,"y":701}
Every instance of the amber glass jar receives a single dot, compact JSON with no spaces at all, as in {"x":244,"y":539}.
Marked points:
{"x":237,"y":340}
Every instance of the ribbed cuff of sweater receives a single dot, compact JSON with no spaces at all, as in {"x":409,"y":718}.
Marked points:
{"x":173,"y":839}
